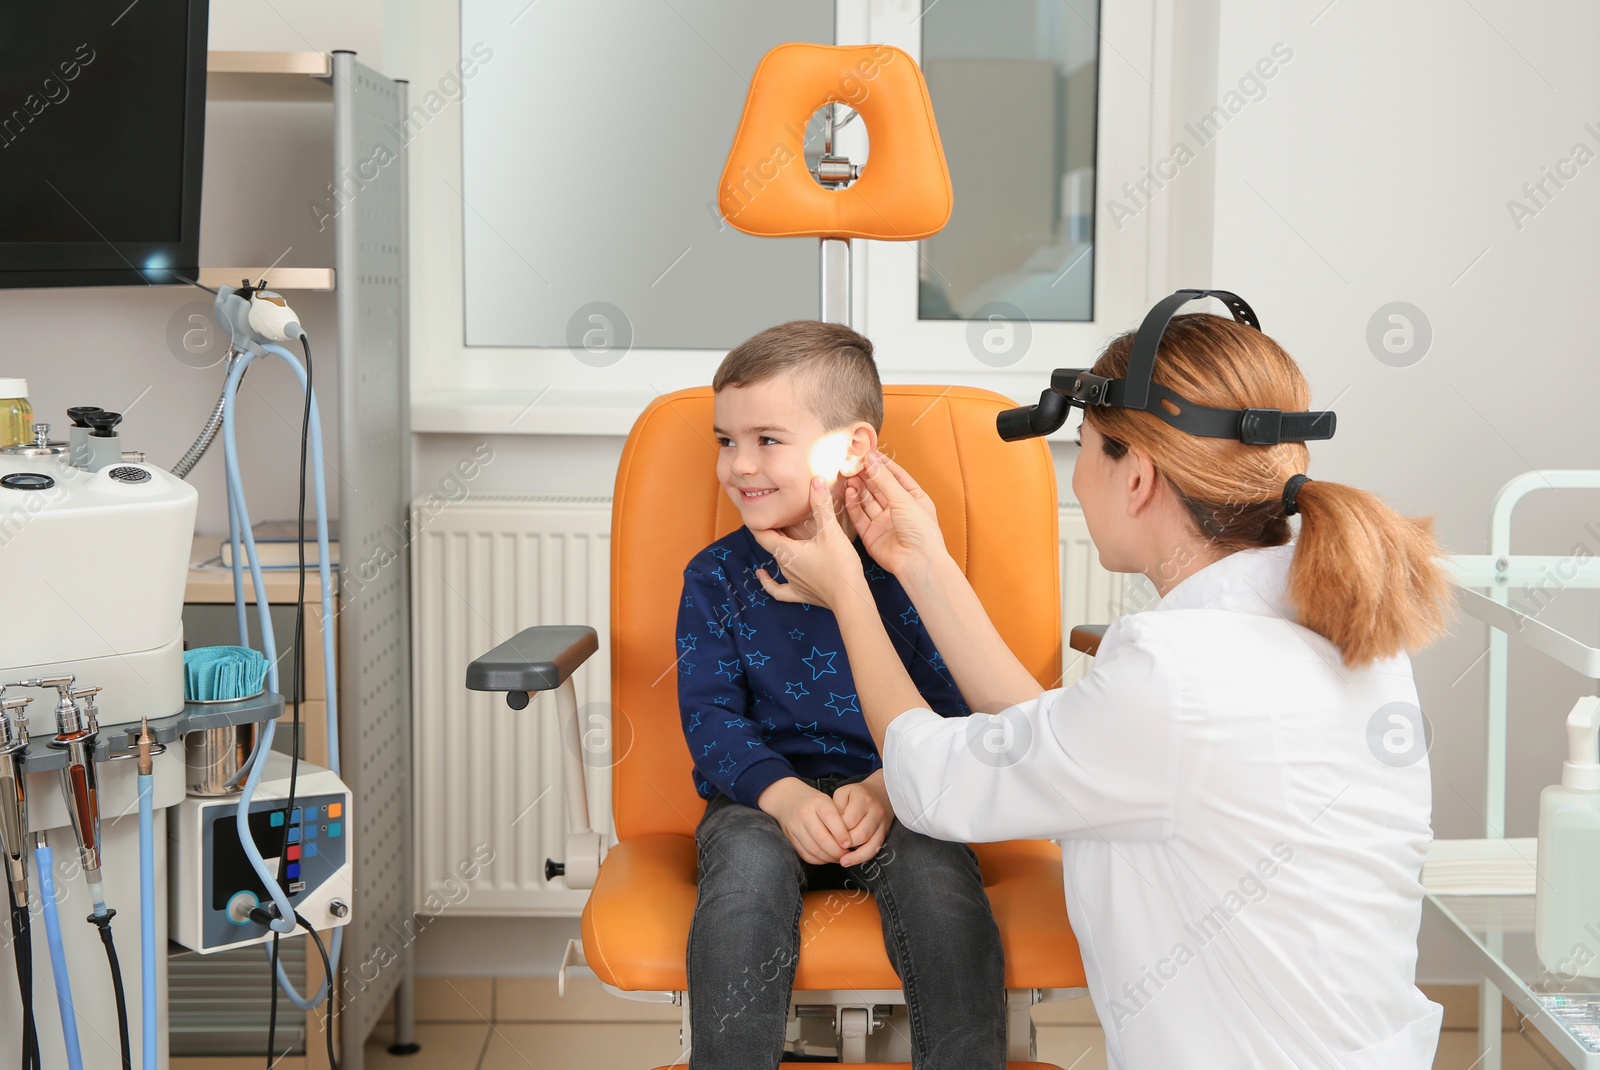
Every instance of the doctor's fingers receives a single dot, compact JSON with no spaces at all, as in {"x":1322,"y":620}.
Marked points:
{"x":773,"y":542}
{"x":860,"y":502}
{"x":890,"y":482}
{"x":783,"y":592}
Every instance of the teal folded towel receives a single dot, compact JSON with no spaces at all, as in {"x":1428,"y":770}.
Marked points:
{"x":220,"y":673}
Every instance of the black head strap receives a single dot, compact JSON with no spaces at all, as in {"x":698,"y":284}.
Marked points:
{"x":1140,"y":392}
{"x":1142,"y":361}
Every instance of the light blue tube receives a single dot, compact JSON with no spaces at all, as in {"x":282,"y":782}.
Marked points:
{"x":58,"y":953}
{"x":292,"y":994}
{"x":239,"y":519}
{"x":242,"y":618}
{"x":241,"y":514}
{"x":147,"y":918}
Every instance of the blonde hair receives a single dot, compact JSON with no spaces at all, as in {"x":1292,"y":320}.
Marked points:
{"x":1363,"y":576}
{"x":837,"y":373}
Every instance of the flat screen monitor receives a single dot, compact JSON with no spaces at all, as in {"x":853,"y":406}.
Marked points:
{"x":102,"y":129}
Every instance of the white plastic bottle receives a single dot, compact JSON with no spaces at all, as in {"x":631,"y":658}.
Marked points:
{"x":1566,"y":924}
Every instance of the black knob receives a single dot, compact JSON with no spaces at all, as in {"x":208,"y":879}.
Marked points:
{"x":554,"y":869}
{"x":104,"y":423}
{"x":78,"y":412}
{"x":517,"y":700}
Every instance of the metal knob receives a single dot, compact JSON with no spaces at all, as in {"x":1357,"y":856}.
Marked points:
{"x":13,"y":729}
{"x":339,"y":908}
{"x":41,"y":435}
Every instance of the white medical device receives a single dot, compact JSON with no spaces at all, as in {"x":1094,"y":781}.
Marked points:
{"x":93,"y":566}
{"x":272,"y":318}
{"x":213,"y":886}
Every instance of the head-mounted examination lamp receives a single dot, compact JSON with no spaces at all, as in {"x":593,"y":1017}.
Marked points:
{"x":1079,"y":387}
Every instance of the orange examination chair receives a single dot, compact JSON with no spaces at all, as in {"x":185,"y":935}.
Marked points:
{"x":997,"y":508}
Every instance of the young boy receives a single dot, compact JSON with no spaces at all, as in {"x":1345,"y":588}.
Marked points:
{"x":794,"y":785}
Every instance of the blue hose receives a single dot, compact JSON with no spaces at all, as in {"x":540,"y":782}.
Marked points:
{"x":240,"y":532}
{"x":147,"y":918}
{"x":58,"y":953}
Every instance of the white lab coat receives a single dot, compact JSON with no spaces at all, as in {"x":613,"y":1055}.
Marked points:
{"x":1242,"y":870}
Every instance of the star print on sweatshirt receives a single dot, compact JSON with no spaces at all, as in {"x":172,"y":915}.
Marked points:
{"x":764,"y":687}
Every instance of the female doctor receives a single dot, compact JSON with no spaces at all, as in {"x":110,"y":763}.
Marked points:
{"x":1242,"y":844}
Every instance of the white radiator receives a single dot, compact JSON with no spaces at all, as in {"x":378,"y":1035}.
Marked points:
{"x":488,"y":777}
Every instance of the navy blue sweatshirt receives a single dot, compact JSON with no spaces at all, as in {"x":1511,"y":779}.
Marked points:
{"x":764,"y":687}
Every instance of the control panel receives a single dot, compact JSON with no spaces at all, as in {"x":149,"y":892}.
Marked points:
{"x":306,"y":847}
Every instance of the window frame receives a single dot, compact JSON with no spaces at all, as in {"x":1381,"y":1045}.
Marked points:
{"x":531,"y":390}
{"x":910,"y":348}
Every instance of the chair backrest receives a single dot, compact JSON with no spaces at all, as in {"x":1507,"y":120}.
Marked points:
{"x":903,"y":193}
{"x":997,"y":508}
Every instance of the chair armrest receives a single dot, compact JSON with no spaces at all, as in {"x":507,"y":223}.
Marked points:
{"x":535,"y":659}
{"x":1085,"y":638}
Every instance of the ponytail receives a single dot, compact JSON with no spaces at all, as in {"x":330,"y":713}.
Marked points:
{"x":1363,"y":577}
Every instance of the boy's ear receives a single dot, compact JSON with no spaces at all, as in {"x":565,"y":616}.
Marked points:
{"x":863,"y":440}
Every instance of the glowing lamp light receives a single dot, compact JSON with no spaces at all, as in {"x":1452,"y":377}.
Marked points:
{"x":831,"y":455}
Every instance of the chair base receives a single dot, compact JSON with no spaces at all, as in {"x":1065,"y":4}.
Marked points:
{"x":856,"y":1013}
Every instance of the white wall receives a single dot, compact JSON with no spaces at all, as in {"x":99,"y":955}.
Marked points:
{"x":1379,"y":169}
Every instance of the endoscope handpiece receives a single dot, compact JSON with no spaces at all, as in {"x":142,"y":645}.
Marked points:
{"x":77,"y":731}
{"x":14,"y":792}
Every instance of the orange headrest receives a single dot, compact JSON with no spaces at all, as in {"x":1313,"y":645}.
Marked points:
{"x":904,"y":189}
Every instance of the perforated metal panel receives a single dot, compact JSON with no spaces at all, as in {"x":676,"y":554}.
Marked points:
{"x":374,"y":453}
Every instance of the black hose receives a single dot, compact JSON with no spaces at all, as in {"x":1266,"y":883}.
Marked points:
{"x":333,"y":988}
{"x":22,"y":945}
{"x":103,"y":923}
{"x":299,"y":686}
{"x":272,"y":1017}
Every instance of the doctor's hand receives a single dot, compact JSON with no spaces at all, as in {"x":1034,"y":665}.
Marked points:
{"x":809,"y":819}
{"x":823,"y":570}
{"x":867,"y":815}
{"x":895,"y":517}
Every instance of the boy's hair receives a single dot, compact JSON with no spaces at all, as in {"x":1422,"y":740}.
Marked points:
{"x":837,"y":374}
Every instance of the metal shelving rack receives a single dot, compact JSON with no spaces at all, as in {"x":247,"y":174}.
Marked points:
{"x":368,"y":278}
{"x":1496,"y":931}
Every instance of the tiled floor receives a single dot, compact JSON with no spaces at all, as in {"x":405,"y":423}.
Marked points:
{"x":520,"y":1023}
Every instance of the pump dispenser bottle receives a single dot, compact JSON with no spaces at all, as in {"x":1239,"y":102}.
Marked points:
{"x":1566,"y":923}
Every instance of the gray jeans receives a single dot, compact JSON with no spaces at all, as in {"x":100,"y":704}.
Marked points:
{"x":747,"y":933}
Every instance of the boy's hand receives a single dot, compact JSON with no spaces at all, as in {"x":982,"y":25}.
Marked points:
{"x":809,"y":819}
{"x":867,"y":815}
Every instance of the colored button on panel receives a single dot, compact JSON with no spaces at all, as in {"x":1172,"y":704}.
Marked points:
{"x":311,"y":832}
{"x":336,"y":809}
{"x":294,"y":835}
{"x":335,"y":829}
{"x":275,"y":819}
{"x":293,"y":852}
{"x":296,"y":817}
{"x":311,"y":850}
{"x":294,"y":870}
